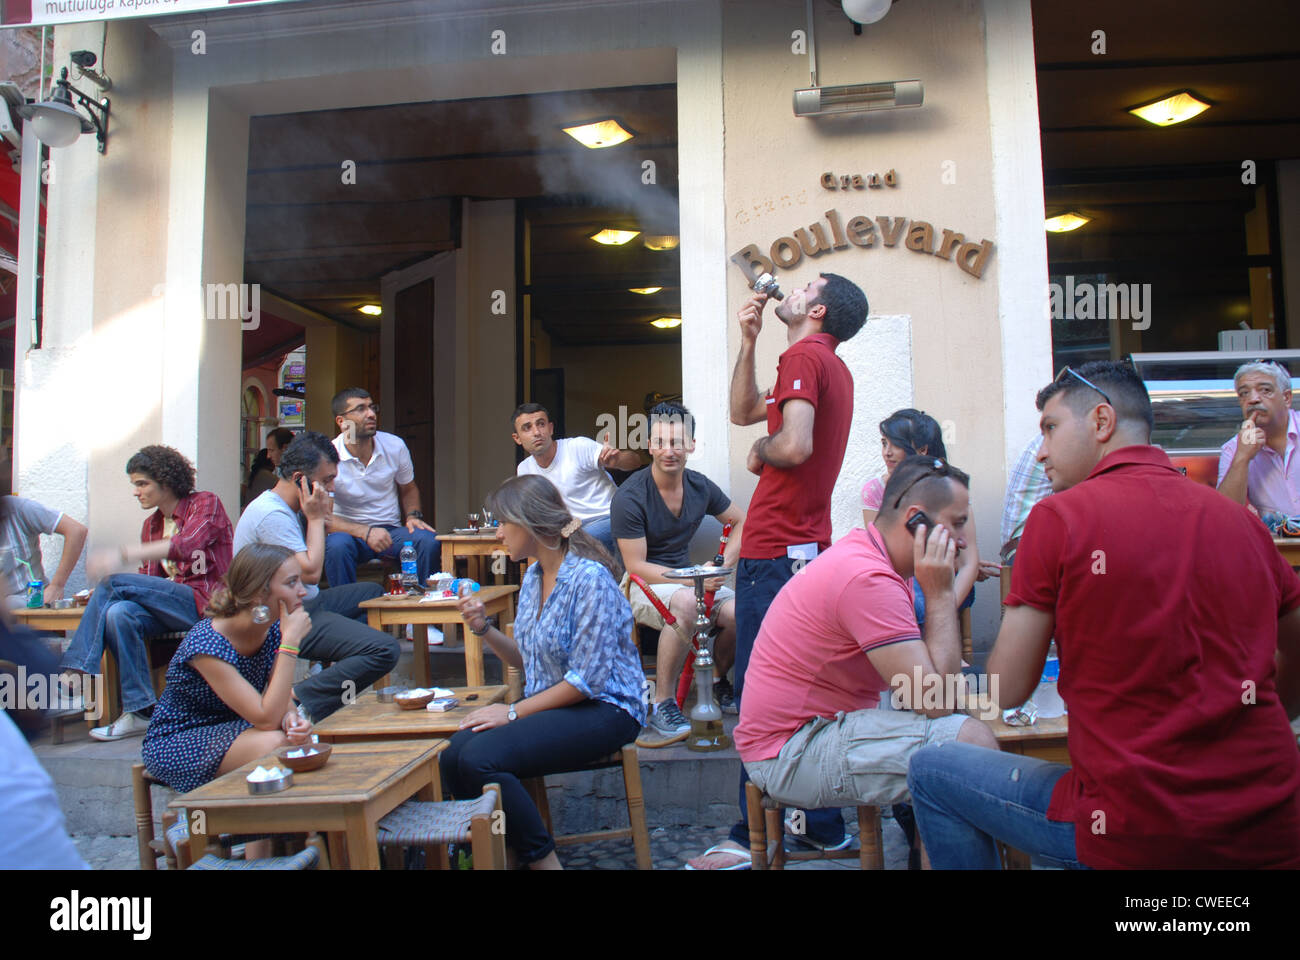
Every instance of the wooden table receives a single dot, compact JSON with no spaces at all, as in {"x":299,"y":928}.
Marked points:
{"x":1289,"y":547}
{"x":1044,"y":740}
{"x":66,"y":622}
{"x":345,"y":799}
{"x":474,"y":545}
{"x":43,"y":618}
{"x":368,"y":719}
{"x":391,"y":610}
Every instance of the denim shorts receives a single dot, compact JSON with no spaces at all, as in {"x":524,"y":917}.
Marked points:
{"x":856,"y":758}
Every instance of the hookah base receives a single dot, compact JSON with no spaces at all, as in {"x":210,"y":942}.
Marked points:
{"x":707,"y":736}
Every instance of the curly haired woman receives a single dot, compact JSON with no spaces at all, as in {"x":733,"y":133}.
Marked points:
{"x":183,"y":552}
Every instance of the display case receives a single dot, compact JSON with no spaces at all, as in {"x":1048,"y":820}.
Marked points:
{"x":1194,"y":403}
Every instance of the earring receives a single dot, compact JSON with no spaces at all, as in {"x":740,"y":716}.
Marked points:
{"x":261,"y":613}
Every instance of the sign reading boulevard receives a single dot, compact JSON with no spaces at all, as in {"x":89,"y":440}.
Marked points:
{"x":35,"y":13}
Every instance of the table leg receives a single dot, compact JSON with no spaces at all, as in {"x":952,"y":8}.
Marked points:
{"x":338,"y":851}
{"x":420,"y":654}
{"x":448,"y":559}
{"x":473,"y":659}
{"x":363,"y":842}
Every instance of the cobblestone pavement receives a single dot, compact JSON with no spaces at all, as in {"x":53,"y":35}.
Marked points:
{"x":670,"y":848}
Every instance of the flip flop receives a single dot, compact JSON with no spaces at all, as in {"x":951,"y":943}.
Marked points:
{"x":742,"y":859}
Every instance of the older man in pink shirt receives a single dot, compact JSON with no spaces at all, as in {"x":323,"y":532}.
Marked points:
{"x":1257,"y":467}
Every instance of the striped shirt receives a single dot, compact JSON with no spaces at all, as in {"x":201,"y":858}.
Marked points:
{"x":1026,"y":485}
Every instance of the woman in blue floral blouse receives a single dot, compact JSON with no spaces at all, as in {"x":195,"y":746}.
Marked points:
{"x":573,"y":640}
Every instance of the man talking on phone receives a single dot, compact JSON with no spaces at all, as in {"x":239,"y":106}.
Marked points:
{"x":360,"y":654}
{"x":808,"y":413}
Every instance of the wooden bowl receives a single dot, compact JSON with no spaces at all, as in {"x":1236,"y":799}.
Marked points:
{"x":304,"y":764}
{"x":413,"y":703}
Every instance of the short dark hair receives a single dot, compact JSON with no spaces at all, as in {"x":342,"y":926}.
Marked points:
{"x":305,"y":453}
{"x":846,"y":306}
{"x":1128,"y":394}
{"x":673,"y":413}
{"x":527,"y":408}
{"x":340,"y":402}
{"x":165,"y":466}
{"x":910,"y":430}
{"x":283,"y":436}
{"x":921,"y":480}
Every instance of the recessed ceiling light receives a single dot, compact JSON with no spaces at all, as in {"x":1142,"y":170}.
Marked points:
{"x":644,"y":291}
{"x":661,"y":241}
{"x":371,"y":309}
{"x":1066,"y":222}
{"x":666,"y":323}
{"x":599,"y":134}
{"x":614,"y":238}
{"x":1172,"y":109}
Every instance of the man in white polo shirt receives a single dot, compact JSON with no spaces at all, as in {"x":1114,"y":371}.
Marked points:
{"x":576,"y":465}
{"x":376,"y":501}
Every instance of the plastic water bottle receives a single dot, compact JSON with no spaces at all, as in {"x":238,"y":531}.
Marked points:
{"x":1047,"y":698}
{"x":410,"y":574}
{"x":462,"y":585}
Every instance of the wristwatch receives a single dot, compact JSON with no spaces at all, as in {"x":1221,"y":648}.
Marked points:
{"x":510,"y":714}
{"x":415,"y":513}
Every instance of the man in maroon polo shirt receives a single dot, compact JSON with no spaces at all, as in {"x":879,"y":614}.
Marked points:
{"x":1178,"y":626}
{"x":808,"y":413}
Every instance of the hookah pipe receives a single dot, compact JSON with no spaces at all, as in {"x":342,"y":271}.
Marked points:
{"x":688,"y":671}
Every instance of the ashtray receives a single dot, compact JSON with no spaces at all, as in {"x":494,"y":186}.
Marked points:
{"x":413,"y":699}
{"x":315,"y":755}
{"x":273,"y":784}
{"x":63,"y":604}
{"x":387,"y":694}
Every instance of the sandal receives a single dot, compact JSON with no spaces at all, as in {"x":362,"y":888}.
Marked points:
{"x":727,"y":854}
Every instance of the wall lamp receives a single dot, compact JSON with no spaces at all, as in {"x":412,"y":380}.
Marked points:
{"x":816,"y":100}
{"x":57,"y":122}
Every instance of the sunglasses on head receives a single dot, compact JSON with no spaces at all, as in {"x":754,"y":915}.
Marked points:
{"x":936,"y":468}
{"x":1068,"y":371}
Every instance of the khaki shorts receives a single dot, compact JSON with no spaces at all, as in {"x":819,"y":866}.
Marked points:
{"x":857,"y":758}
{"x":644,"y":611}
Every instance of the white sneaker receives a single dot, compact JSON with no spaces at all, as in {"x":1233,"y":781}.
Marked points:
{"x":127,"y":725}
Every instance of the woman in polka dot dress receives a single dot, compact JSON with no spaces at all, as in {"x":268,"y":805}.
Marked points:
{"x":229,"y":689}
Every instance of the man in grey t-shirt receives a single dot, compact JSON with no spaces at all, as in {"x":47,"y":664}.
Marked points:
{"x":20,"y":548}
{"x":361,"y":655}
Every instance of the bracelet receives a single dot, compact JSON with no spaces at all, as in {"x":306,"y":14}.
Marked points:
{"x":478,"y":633}
{"x":289,"y":650}
{"x":367,"y":536}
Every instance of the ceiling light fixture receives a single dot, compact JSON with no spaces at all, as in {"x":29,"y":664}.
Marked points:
{"x":1171,"y":109}
{"x":666,"y":323}
{"x":644,"y":291}
{"x":661,"y":241}
{"x":600,"y":133}
{"x":371,"y":309}
{"x":1065,"y":222}
{"x":56,"y":122}
{"x":614,"y":238}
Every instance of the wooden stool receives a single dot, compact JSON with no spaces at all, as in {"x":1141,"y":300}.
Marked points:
{"x":636,"y":829}
{"x":765,"y":822}
{"x":149,"y":847}
{"x":432,"y":824}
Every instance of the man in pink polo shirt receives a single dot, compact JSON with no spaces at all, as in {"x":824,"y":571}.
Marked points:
{"x":1256,"y":466}
{"x":1178,"y":626}
{"x":844,"y":630}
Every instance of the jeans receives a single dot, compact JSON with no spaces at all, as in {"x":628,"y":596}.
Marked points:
{"x":599,"y":528}
{"x":966,"y":797}
{"x":360,"y":654}
{"x":124,"y":610}
{"x":553,"y":741}
{"x":757,"y":584}
{"x":343,"y":552}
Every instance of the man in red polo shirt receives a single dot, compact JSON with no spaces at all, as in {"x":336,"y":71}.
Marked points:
{"x":808,"y":412}
{"x":1178,"y":626}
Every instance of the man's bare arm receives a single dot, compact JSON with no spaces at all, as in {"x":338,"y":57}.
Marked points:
{"x":747,"y":404}
{"x":793,"y":443}
{"x":1019,"y":653}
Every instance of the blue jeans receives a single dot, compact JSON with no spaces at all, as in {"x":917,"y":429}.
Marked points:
{"x":966,"y":797}
{"x":757,"y":584}
{"x":599,"y":528}
{"x":124,"y":610}
{"x":553,"y":741}
{"x":359,"y":654}
{"x":343,"y":552}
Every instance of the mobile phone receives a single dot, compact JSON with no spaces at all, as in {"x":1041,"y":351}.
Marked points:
{"x":917,"y":519}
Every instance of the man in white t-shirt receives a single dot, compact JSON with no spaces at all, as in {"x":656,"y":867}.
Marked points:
{"x":576,"y":465}
{"x":376,"y":501}
{"x":20,"y":548}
